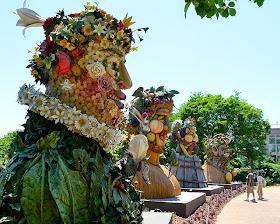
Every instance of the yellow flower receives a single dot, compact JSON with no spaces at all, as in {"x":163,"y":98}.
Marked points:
{"x":63,"y":43}
{"x":87,"y":30}
{"x":35,"y":56}
{"x":39,"y":62}
{"x":81,"y":38}
{"x":70,"y":21}
{"x":134,"y":49}
{"x":88,"y":4}
{"x":120,"y":34}
{"x":34,"y":72}
{"x":127,"y":21}
{"x":36,"y":49}
{"x":76,"y":70}
{"x":70,"y":47}
{"x":82,"y":13}
{"x":83,"y":63}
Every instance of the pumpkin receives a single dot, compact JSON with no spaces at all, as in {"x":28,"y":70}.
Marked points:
{"x":234,"y":173}
{"x":156,"y":126}
{"x":188,"y":138}
{"x":195,"y":138}
{"x":229,"y":177}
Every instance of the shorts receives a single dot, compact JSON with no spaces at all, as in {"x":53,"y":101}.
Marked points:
{"x":250,"y":189}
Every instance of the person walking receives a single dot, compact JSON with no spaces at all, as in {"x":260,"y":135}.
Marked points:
{"x":261,"y":182}
{"x":250,"y":185}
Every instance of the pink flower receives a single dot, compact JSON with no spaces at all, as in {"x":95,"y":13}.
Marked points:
{"x":63,"y":66}
{"x":121,"y":25}
{"x":47,"y":46}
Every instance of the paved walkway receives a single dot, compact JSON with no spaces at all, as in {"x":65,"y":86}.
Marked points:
{"x":238,"y":211}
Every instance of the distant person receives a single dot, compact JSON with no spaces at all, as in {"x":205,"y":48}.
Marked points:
{"x":250,"y":185}
{"x":261,"y":182}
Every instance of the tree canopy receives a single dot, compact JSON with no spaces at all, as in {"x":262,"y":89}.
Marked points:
{"x":210,"y":8}
{"x":231,"y":116}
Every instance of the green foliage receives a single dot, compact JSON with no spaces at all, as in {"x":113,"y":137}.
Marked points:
{"x":5,"y":143}
{"x":236,"y":162}
{"x":36,"y":200}
{"x":57,"y":176}
{"x":272,"y":171}
{"x":241,"y":174}
{"x":231,"y":116}
{"x":210,"y":8}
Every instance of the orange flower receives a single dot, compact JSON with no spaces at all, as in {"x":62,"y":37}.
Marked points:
{"x":81,"y":38}
{"x":63,"y":65}
{"x":63,"y":43}
{"x":87,"y":30}
{"x":99,"y":37}
{"x":102,"y":12}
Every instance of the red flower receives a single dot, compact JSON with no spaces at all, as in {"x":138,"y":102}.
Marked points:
{"x":48,"y":21}
{"x":63,"y":66}
{"x":156,"y":101}
{"x":74,"y":14}
{"x":129,"y":125}
{"x":121,"y":25}
{"x":47,"y":46}
{"x":130,"y":33}
{"x":77,"y":53}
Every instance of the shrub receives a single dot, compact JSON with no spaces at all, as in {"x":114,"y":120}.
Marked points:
{"x":241,"y":174}
{"x":272,"y":171}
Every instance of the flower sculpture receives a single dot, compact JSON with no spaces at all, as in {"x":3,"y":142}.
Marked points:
{"x":60,"y":171}
{"x":149,"y":115}
{"x":218,"y":155}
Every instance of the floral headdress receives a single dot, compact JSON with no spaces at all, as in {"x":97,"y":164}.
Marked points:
{"x":82,"y":64}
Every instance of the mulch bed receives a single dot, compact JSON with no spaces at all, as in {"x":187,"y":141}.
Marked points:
{"x":208,"y":212}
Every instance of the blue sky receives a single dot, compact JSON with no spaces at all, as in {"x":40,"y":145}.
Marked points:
{"x":222,"y":56}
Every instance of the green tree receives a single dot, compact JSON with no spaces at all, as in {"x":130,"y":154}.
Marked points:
{"x":5,"y":143}
{"x":210,"y":8}
{"x":231,"y":116}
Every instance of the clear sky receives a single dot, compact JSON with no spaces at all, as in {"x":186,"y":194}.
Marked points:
{"x":222,"y":56}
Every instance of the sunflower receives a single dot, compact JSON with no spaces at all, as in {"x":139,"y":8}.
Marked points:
{"x":87,"y":30}
{"x":82,"y":122}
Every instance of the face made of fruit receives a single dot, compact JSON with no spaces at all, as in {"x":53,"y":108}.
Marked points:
{"x":157,"y":128}
{"x":92,"y":81}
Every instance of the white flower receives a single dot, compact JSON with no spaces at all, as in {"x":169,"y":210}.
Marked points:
{"x":89,"y":20}
{"x":108,"y":32}
{"x":75,"y":111}
{"x":55,"y":104}
{"x":82,"y":122}
{"x":99,"y":29}
{"x":39,"y":101}
{"x":66,"y":85}
{"x":96,"y":70}
{"x":59,"y":116}
{"x":44,"y":111}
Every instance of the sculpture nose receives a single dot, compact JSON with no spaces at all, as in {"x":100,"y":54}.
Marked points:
{"x":125,"y":80}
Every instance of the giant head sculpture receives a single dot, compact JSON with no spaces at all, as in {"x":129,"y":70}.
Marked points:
{"x":82,"y":64}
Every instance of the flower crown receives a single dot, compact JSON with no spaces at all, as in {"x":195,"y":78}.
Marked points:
{"x":70,"y":34}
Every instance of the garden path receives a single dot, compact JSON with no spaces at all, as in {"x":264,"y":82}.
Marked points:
{"x":238,"y":211}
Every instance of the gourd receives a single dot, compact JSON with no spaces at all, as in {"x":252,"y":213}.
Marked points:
{"x":156,"y":126}
{"x":228,"y":177}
